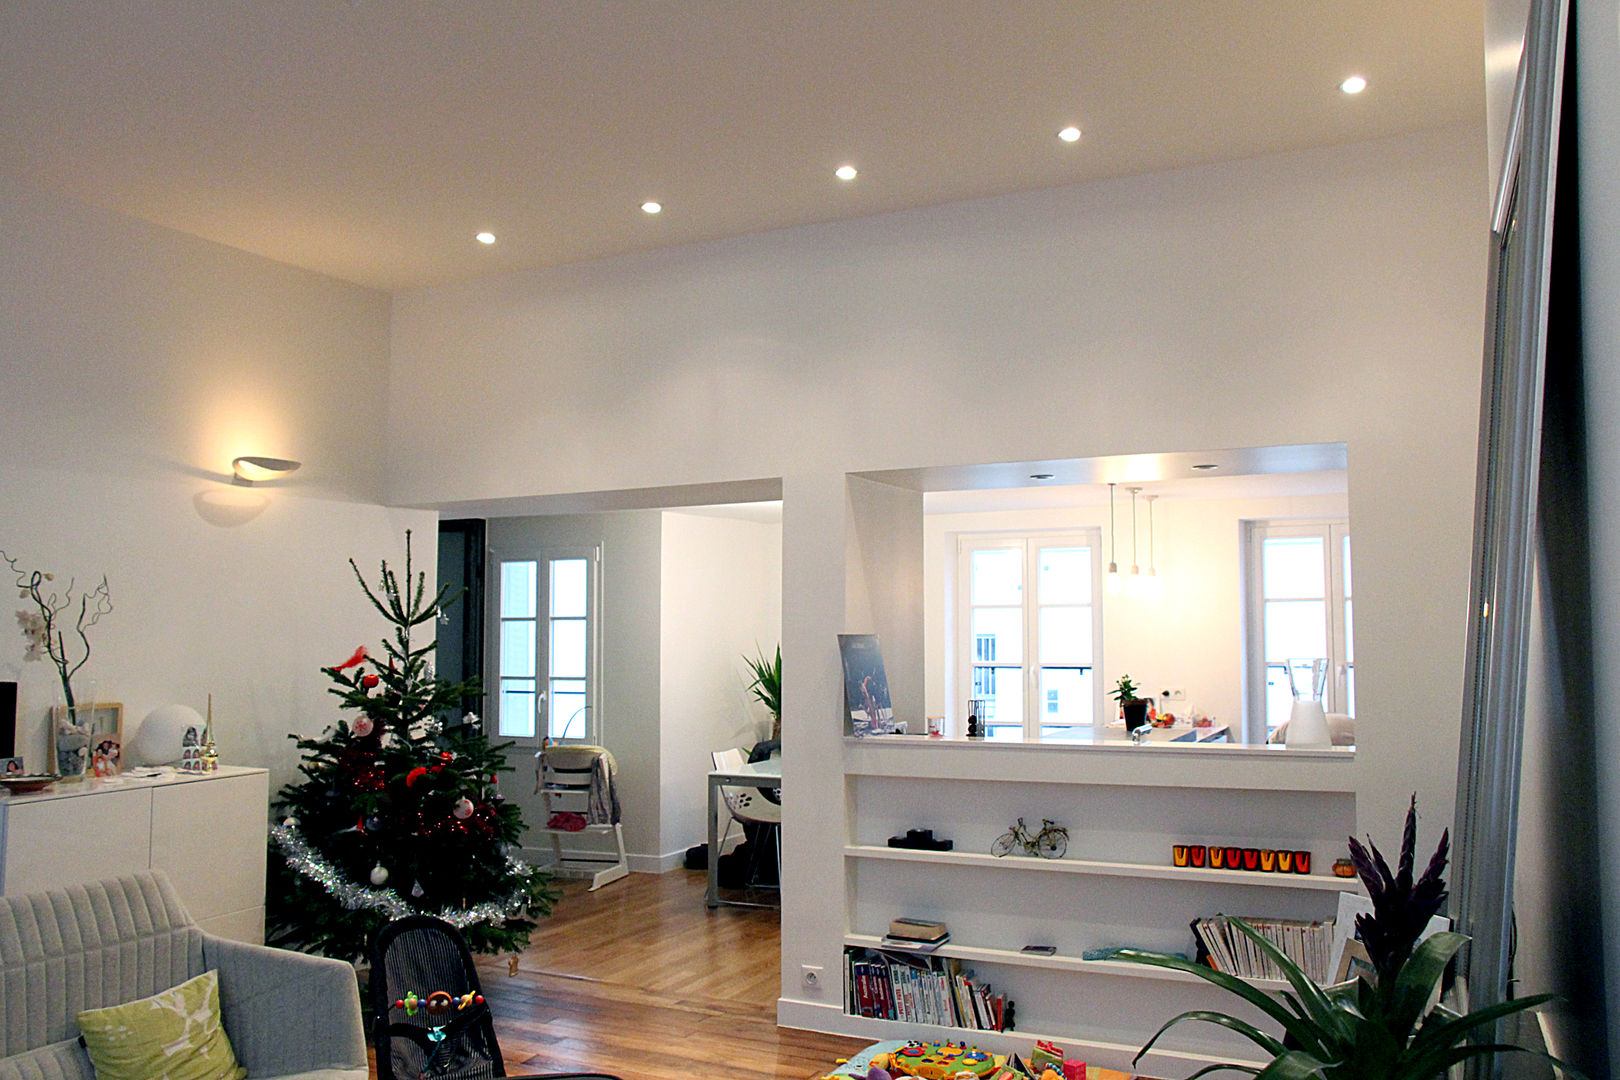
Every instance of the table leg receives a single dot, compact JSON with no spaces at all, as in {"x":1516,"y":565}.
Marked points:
{"x":711,"y":895}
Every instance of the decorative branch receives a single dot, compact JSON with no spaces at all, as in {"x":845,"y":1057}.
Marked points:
{"x":43,"y":627}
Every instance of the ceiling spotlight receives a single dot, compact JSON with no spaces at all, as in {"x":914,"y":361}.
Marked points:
{"x":1040,"y":476}
{"x":845,"y":172}
{"x":1206,"y":466}
{"x":250,"y":470}
{"x":651,"y":207}
{"x":1070,"y":134}
{"x":486,"y":238}
{"x":1355,"y":84}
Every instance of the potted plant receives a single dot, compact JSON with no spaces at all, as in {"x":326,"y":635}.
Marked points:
{"x":1133,"y":707}
{"x":767,"y":686}
{"x":1377,"y":1027}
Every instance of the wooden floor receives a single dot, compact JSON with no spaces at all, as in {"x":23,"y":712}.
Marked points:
{"x":641,"y":981}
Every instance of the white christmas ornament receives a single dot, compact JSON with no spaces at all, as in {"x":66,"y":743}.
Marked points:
{"x":362,"y":726}
{"x":160,"y":738}
{"x":379,"y":875}
{"x":290,"y":822}
{"x":464,"y":808}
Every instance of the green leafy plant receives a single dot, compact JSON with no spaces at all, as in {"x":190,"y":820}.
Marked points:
{"x":1380,"y":1027}
{"x":767,"y":686}
{"x":1124,"y":690}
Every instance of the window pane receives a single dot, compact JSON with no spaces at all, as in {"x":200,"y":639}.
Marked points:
{"x":1004,"y":689}
{"x":998,"y":636}
{"x":517,"y":648}
{"x":997,"y":576}
{"x":1005,"y":733}
{"x":517,"y":708}
{"x":567,"y":649}
{"x":1349,"y":633}
{"x":1347,"y":590}
{"x":517,"y":590}
{"x":1065,"y":575}
{"x":568,"y":587}
{"x":568,"y":716}
{"x":1296,"y":628}
{"x":1279,"y":697}
{"x":1066,"y":697}
{"x":1065,"y":635}
{"x":1350,"y":690}
{"x":1292,"y":568}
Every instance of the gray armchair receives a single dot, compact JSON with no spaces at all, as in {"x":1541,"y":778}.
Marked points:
{"x":89,"y":946}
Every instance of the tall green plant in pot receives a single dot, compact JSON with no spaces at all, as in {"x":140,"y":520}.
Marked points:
{"x":767,"y":686}
{"x":1378,"y":1027}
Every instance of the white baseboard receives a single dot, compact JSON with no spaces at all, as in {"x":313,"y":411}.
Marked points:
{"x":831,"y":1019}
{"x":639,"y":864}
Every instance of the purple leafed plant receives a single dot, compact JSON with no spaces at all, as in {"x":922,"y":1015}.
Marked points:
{"x":1402,"y":907}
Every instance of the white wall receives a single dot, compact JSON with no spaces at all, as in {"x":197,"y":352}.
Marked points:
{"x":1191,"y":636}
{"x":628,"y":706}
{"x":136,"y":363}
{"x":1325,"y":296}
{"x":721,"y":601}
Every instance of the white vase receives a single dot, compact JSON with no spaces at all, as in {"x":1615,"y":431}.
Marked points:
{"x":1307,"y":720}
{"x":1308,"y":726}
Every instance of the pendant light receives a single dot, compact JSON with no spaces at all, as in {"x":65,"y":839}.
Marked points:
{"x":1133,"y":584}
{"x":1111,"y":581}
{"x":1153,"y":586}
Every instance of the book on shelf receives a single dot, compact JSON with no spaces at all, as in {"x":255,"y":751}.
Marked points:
{"x":1307,"y":943}
{"x":920,"y":989}
{"x":889,"y":941}
{"x":917,"y":930}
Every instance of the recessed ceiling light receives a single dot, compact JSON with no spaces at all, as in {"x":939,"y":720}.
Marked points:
{"x":1070,"y":134}
{"x":845,"y":172}
{"x":1355,"y":84}
{"x":651,"y":207}
{"x":1040,"y":476}
{"x":486,"y":238}
{"x":1206,"y":466}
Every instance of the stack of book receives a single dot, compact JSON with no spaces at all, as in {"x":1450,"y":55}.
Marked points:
{"x":922,"y":935}
{"x":1226,"y":948}
{"x":921,"y":990}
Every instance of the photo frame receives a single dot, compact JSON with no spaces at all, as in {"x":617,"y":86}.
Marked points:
{"x":867,"y":709}
{"x":12,"y":766}
{"x":99,"y":744}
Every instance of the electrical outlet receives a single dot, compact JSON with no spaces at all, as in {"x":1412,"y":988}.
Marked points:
{"x":1176,"y":693}
{"x":811,"y":975}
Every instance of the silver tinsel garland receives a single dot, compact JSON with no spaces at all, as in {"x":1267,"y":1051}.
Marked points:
{"x":307,"y":861}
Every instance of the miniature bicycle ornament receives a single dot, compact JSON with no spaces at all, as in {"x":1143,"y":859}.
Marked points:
{"x":1050,"y":843}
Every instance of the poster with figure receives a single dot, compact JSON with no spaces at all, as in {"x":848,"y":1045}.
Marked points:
{"x":866,"y":688}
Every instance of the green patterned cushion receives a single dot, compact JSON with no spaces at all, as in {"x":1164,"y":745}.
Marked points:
{"x":174,"y":1035}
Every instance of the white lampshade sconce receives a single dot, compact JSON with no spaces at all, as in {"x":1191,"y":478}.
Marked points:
{"x":254,"y":470}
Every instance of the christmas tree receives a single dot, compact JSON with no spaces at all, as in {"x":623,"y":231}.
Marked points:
{"x":398,"y":812}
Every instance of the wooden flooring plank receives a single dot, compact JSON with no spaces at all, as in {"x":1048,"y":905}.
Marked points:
{"x":640,"y":980}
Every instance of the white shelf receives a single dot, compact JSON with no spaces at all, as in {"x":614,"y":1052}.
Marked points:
{"x":1189,"y":874}
{"x":1053,"y":963}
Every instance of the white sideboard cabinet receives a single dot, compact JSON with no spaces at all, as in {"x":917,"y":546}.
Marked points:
{"x":206,"y":831}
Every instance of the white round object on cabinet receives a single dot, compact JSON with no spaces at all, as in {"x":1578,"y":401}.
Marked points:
{"x":160,"y":738}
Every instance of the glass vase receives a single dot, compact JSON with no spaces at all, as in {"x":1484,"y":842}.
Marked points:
{"x":1307,"y":720}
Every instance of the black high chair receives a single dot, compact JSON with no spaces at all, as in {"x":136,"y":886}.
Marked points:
{"x":432,"y":1022}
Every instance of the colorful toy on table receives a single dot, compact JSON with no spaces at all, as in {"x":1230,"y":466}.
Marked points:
{"x":941,"y":1061}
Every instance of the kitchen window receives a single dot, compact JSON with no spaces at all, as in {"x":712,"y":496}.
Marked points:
{"x":1029,"y":633}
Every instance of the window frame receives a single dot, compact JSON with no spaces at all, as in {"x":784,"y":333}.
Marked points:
{"x":543,"y":558}
{"x":1028,"y":542}
{"x":1334,"y":532}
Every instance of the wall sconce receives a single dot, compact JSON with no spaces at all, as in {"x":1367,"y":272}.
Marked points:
{"x":251,"y":470}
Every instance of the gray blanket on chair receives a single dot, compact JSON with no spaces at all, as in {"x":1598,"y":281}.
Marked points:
{"x":603,"y":797}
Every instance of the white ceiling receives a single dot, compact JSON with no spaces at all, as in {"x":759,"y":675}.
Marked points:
{"x":371,"y":139}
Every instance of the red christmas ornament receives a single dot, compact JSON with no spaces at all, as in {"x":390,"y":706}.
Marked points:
{"x":356,"y":660}
{"x":370,"y":681}
{"x":414,"y":775}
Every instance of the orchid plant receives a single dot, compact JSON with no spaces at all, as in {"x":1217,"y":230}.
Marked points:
{"x":53,"y":629}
